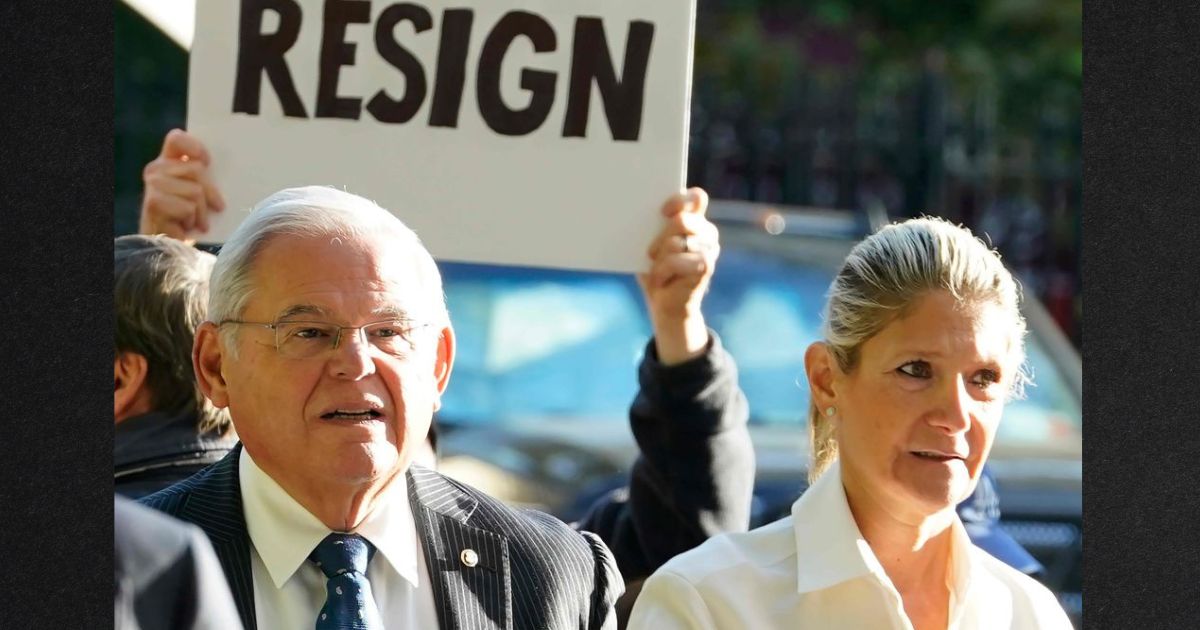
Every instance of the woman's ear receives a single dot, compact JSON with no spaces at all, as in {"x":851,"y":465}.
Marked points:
{"x":207,"y":358}
{"x":822,"y":370}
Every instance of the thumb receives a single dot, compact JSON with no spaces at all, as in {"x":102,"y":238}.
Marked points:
{"x":180,"y":144}
{"x":697,"y":201}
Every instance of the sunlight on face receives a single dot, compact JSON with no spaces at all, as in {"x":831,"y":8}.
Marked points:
{"x":354,"y":414}
{"x":918,"y":414}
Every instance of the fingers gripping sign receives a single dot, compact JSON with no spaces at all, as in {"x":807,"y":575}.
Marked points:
{"x":682,"y":259}
{"x":179,"y":190}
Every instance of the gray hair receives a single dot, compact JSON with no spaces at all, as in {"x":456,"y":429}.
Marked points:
{"x":160,"y":286}
{"x":884,"y":275}
{"x":307,"y":212}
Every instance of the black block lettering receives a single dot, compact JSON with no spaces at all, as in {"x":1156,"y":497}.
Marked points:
{"x":540,"y":83}
{"x":335,"y":53}
{"x":381,"y":106}
{"x":259,"y":53}
{"x":451,"y":67}
{"x":622,"y":99}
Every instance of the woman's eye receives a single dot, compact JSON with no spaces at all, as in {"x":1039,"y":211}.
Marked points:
{"x":916,"y":369}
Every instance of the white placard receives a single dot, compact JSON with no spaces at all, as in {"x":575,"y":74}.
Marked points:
{"x":530,"y":168}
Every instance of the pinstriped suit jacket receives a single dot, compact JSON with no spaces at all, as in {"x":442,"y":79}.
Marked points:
{"x":534,"y":572}
{"x":693,"y":479}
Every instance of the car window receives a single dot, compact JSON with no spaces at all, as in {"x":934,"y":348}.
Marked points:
{"x":1048,"y":412}
{"x":536,"y":344}
{"x":540,"y":345}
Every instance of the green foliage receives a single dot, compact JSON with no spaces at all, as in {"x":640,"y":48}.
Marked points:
{"x":1028,"y":53}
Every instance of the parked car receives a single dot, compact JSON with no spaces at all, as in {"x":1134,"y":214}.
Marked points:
{"x":545,"y":372}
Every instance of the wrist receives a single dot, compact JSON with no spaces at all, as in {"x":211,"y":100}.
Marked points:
{"x":679,"y":340}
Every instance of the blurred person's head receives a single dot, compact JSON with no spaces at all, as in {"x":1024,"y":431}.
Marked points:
{"x":160,"y":289}
{"x":328,"y":340}
{"x":923,"y":345}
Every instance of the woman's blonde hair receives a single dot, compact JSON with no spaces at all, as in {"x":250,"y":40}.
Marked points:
{"x":886,"y":273}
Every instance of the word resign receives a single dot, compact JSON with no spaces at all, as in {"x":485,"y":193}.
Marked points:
{"x":262,"y":54}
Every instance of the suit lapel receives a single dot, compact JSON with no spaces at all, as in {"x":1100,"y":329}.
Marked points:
{"x":468,"y":566}
{"x":215,"y":505}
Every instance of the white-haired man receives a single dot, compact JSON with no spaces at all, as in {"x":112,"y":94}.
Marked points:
{"x":330,"y":345}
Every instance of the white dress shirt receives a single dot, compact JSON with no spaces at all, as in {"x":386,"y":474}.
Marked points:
{"x":289,"y":591}
{"x":813,"y":569}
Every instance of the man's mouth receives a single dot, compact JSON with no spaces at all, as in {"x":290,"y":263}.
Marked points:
{"x":353,"y":415}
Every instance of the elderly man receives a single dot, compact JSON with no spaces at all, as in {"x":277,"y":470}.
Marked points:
{"x":166,"y":430}
{"x":330,"y":345}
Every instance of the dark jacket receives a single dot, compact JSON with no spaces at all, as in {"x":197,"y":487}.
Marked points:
{"x":157,"y":449}
{"x":694,"y":475}
{"x":693,"y":479}
{"x":532,"y":572}
{"x":166,"y":576}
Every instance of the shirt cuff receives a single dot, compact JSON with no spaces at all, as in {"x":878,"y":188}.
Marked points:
{"x":688,"y":378}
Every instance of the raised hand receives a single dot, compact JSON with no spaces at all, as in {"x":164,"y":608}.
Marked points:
{"x":683,"y":256}
{"x":179,"y":192}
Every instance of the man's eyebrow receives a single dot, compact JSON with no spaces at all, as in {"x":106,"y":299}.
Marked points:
{"x":391,"y":312}
{"x":302,"y":309}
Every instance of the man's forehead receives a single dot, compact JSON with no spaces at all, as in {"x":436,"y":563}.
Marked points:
{"x":331,"y":275}
{"x":375,"y":261}
{"x":301,"y":310}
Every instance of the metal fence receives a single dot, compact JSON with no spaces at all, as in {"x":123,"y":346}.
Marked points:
{"x":916,"y":148}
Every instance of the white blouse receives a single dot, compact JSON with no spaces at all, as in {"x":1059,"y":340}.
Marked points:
{"x":813,"y":569}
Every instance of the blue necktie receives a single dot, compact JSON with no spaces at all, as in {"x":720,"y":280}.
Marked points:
{"x":349,"y":604}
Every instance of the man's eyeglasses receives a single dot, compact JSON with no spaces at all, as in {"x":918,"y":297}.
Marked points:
{"x":304,"y":339}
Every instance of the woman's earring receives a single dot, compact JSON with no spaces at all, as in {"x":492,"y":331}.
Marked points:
{"x":829,"y":411}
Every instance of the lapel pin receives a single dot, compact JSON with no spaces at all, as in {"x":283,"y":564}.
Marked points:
{"x":469,"y":557}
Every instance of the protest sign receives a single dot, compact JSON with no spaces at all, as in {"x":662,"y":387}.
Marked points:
{"x":530,"y":132}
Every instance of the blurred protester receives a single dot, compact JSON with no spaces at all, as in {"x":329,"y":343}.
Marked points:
{"x":166,"y":575}
{"x":328,"y":416}
{"x":166,"y":429}
{"x":923,"y":344}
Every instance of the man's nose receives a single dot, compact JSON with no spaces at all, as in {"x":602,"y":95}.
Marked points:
{"x":352,"y":356}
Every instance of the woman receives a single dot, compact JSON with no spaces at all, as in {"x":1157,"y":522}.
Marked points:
{"x":923,"y":343}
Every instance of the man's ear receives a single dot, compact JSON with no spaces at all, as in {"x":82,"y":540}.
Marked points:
{"x":207,"y":360}
{"x":444,"y":363}
{"x":822,"y":370}
{"x":130,"y":395}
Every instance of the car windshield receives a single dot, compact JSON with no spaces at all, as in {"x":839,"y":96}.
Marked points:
{"x":538,"y":345}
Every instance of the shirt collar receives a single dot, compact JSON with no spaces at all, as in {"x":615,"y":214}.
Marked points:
{"x":830,"y":549}
{"x":284,"y":533}
{"x":960,"y":577}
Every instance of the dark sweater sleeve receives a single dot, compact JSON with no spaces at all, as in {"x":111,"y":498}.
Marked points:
{"x":694,"y":475}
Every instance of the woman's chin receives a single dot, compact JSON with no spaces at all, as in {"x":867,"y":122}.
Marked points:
{"x":937,"y":492}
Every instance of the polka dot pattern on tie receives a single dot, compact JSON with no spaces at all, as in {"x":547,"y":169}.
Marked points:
{"x":349,"y":604}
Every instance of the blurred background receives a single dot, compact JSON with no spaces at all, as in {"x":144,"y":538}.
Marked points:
{"x":964,"y":109}
{"x":813,"y":123}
